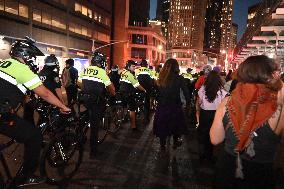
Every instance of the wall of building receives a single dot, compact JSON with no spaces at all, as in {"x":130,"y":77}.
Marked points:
{"x":65,"y":28}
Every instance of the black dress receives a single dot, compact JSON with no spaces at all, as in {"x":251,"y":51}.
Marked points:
{"x":169,"y":117}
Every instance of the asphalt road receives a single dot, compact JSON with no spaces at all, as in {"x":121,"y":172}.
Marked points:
{"x":133,"y":160}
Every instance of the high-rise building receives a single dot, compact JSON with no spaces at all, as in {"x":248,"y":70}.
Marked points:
{"x":252,"y":10}
{"x":212,"y":32}
{"x":139,"y":12}
{"x":226,"y":18}
{"x":234,"y":33}
{"x":186,"y":30}
{"x":162,"y":14}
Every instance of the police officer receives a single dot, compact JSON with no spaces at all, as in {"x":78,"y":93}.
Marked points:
{"x":188,"y":80}
{"x":16,"y":77}
{"x":49,"y":75}
{"x":144,"y":76}
{"x":128,"y":85}
{"x":94,"y":81}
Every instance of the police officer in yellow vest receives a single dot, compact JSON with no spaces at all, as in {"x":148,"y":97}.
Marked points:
{"x":17,"y":77}
{"x":128,"y":86}
{"x":189,"y":80}
{"x":94,"y":81}
{"x":144,"y":76}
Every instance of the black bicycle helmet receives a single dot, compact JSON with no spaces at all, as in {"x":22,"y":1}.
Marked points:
{"x":129,"y":63}
{"x":26,"y":50}
{"x":51,"y":60}
{"x":144,"y":63}
{"x":98,"y":59}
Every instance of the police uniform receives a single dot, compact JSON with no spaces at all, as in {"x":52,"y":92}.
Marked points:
{"x":154,"y":75}
{"x":50,"y":79}
{"x":94,"y":82}
{"x":15,"y":80}
{"x":128,"y":84}
{"x":189,"y":83}
{"x":144,"y":76}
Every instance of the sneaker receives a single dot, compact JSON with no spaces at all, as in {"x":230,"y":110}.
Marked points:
{"x":33,"y":180}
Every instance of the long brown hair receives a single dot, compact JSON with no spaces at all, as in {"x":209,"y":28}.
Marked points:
{"x":259,"y":69}
{"x":213,"y":84}
{"x":169,"y":69}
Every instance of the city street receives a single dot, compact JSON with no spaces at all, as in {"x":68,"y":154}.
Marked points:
{"x":133,"y":160}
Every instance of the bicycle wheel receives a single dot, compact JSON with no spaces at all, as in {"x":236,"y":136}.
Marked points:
{"x":61,"y":158}
{"x":117,"y":118}
{"x":103,"y":127}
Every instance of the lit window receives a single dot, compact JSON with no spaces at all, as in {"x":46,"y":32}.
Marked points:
{"x":46,"y":18}
{"x":96,"y":16}
{"x":23,"y":10}
{"x":78,"y":7}
{"x":84,"y":30}
{"x":59,"y":23}
{"x":84,"y":10}
{"x":12,"y":6}
{"x":37,"y":15}
{"x":90,"y":15}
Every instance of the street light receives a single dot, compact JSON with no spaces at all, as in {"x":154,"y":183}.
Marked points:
{"x":160,"y":47}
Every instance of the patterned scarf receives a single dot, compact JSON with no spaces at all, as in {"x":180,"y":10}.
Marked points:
{"x":250,"y":106}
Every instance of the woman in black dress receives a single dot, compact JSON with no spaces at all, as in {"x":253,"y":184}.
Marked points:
{"x":169,"y":117}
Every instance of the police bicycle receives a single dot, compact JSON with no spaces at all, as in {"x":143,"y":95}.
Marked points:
{"x":140,"y":105}
{"x":58,"y":161}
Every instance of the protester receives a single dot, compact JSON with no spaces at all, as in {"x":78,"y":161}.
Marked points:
{"x":210,"y":96}
{"x":250,"y":121}
{"x":169,"y":117}
{"x":69,"y":80}
{"x":200,"y":81}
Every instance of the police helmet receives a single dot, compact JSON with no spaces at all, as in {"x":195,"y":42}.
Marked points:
{"x":98,"y":59}
{"x":129,"y":63}
{"x":188,"y":70}
{"x":144,"y":63}
{"x":51,"y":60}
{"x":26,"y":50}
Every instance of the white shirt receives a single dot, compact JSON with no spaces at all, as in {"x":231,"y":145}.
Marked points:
{"x":205,"y":105}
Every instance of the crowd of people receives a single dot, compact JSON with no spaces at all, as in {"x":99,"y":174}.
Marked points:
{"x":241,"y":109}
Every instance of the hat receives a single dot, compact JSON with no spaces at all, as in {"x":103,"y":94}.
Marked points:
{"x":217,"y":69}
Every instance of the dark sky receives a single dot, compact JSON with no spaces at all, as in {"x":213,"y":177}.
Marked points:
{"x":239,"y":13}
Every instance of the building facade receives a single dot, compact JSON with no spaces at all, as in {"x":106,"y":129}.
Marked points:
{"x":139,"y":13}
{"x":212,"y":32}
{"x":146,"y":43}
{"x":163,"y":15}
{"x":66,"y":28}
{"x":186,"y":30}
{"x":226,"y":25}
{"x":136,"y":42}
{"x":234,"y":35}
{"x":252,"y":11}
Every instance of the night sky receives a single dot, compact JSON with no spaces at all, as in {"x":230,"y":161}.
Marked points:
{"x":239,"y":13}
